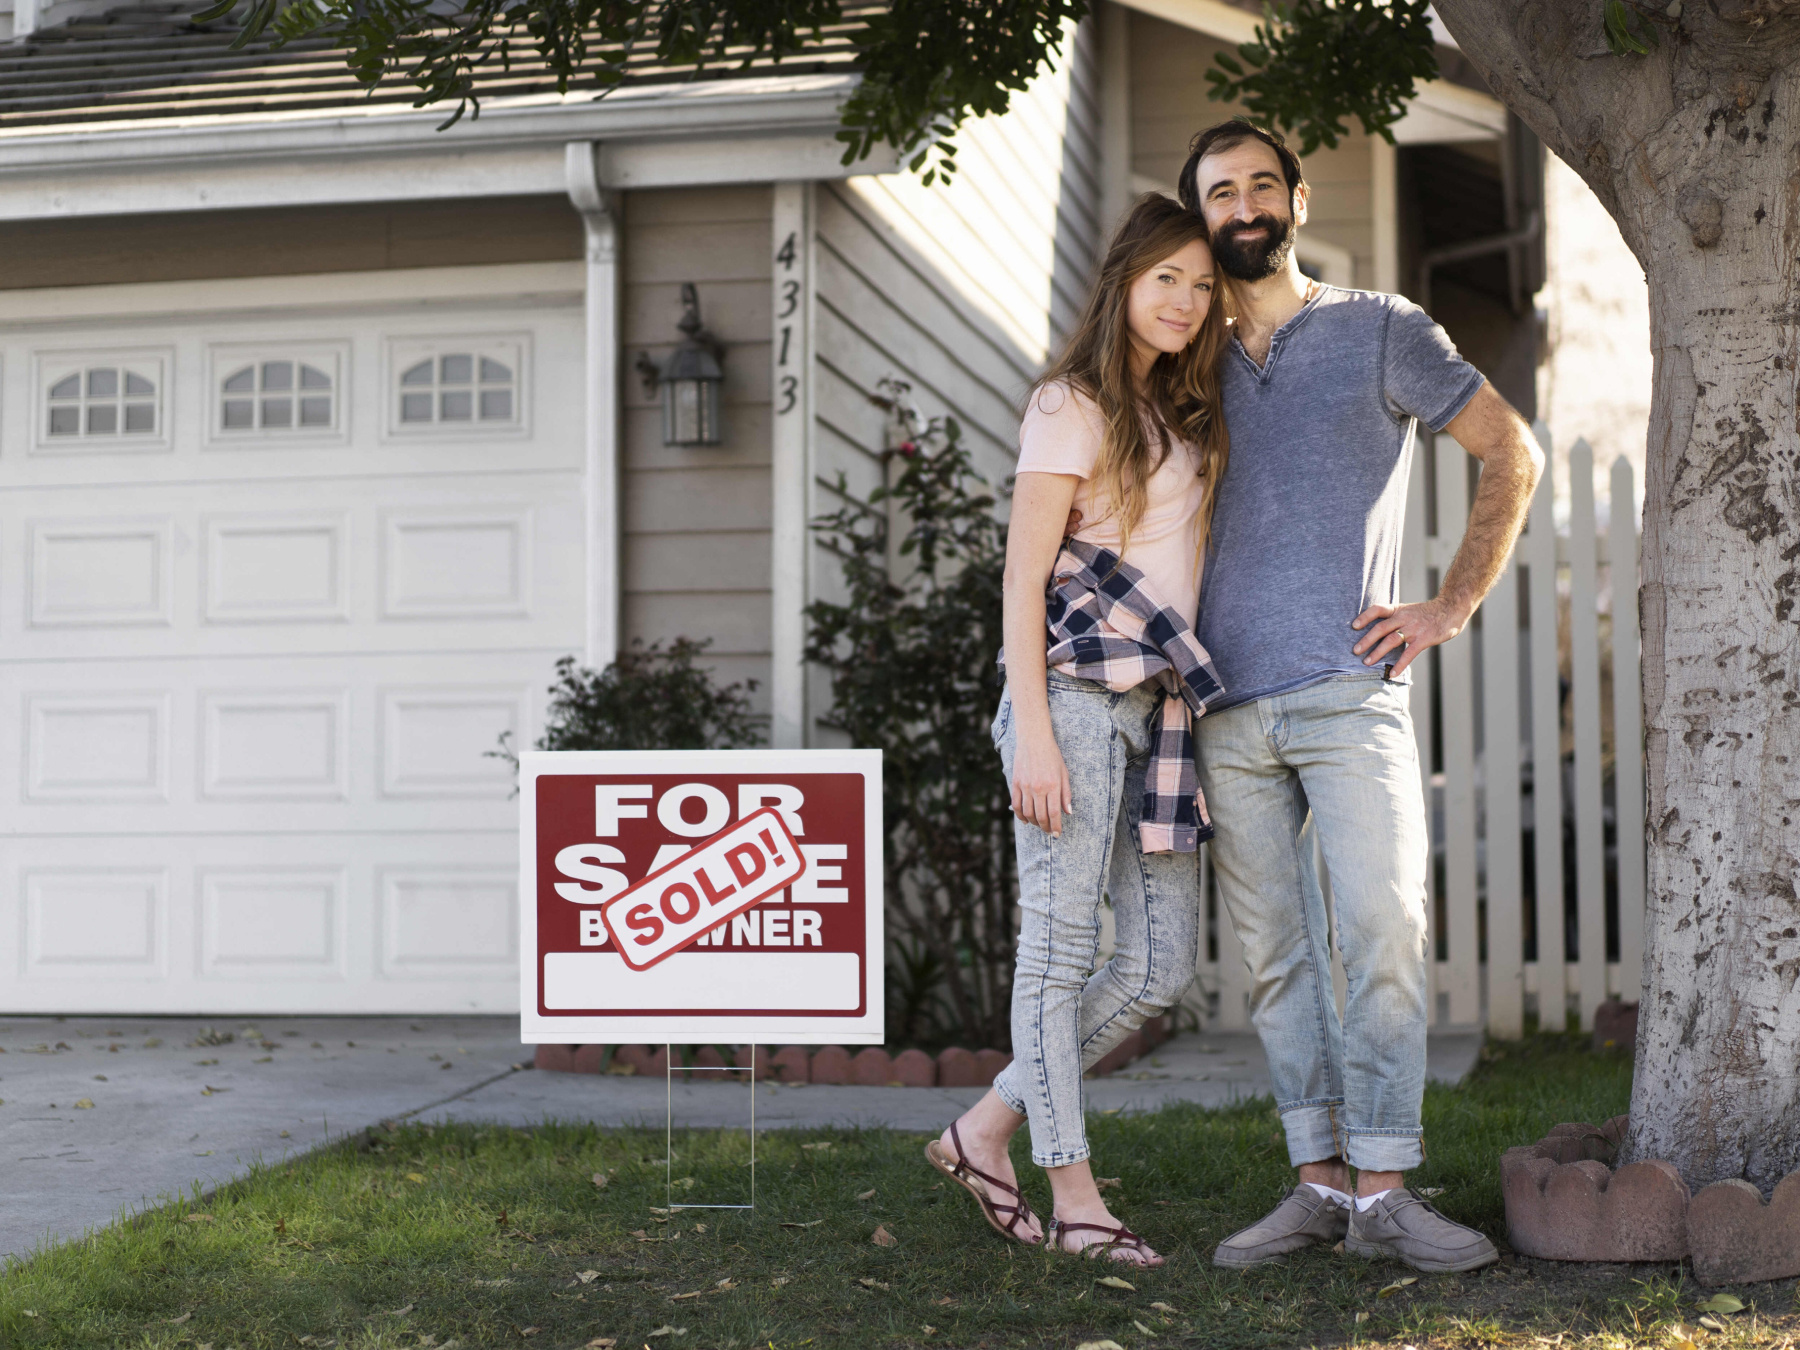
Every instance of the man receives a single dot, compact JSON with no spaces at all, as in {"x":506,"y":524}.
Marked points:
{"x":1324,"y":390}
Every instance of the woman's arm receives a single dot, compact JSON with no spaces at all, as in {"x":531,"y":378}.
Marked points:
{"x":1040,"y":510}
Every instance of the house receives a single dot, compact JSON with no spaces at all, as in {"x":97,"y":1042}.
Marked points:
{"x":322,"y":438}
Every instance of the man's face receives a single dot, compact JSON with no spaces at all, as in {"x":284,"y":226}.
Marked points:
{"x":1244,"y":199}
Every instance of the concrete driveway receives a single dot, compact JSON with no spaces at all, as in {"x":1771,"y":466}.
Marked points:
{"x":101,"y":1117}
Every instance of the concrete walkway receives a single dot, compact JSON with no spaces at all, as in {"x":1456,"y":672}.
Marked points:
{"x":102,"y":1117}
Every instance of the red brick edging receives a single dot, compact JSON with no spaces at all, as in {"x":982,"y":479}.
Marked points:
{"x":1565,"y":1202}
{"x":872,"y":1066}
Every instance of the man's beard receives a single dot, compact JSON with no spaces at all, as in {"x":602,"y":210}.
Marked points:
{"x":1257,"y":259}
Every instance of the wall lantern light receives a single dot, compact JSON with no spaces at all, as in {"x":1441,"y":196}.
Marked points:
{"x":689,"y":380}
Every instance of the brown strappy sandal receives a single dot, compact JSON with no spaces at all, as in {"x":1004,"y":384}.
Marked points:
{"x":973,"y":1180}
{"x":1118,"y":1239}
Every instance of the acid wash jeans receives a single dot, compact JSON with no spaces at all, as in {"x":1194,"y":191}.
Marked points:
{"x":1066,"y":1014}
{"x":1339,"y":757}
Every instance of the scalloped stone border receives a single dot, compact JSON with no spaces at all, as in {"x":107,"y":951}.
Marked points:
{"x":869,"y":1067}
{"x":1565,"y":1202}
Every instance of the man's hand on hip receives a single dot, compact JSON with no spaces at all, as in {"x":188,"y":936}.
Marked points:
{"x":1414,"y":627}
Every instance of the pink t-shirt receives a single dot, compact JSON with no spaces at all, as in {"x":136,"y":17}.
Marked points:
{"x":1062,"y":433}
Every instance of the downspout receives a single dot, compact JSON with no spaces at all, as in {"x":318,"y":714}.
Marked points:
{"x":599,"y":218}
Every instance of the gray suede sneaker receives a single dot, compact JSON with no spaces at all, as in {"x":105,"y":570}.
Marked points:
{"x":1302,"y":1219}
{"x":1403,"y":1226}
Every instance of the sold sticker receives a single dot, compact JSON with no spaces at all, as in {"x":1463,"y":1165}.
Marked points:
{"x":731,"y":872}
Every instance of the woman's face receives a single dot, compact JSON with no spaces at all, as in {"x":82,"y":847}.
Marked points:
{"x":1166,"y":303}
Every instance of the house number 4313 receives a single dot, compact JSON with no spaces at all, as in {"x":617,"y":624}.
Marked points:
{"x":789,"y":297}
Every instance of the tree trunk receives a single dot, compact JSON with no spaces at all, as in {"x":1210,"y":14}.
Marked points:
{"x":1695,"y":149}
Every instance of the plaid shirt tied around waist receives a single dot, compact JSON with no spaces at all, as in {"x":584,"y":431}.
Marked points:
{"x":1107,"y":625}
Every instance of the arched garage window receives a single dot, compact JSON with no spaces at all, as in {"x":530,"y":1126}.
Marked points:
{"x":280,"y":395}
{"x":100,"y":402}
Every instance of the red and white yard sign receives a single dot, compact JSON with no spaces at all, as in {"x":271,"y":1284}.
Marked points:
{"x":710,"y":896}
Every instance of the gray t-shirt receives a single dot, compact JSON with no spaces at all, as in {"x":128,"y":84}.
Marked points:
{"x":1306,"y":534}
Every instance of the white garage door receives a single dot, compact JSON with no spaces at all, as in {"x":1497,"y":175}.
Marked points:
{"x":279,"y":561}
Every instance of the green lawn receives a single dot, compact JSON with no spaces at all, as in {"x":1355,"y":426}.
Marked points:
{"x":486,"y":1236}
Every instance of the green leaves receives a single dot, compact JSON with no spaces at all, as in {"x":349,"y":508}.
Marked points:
{"x":929,"y":65}
{"x":910,"y":653}
{"x":647,"y":699}
{"x":1316,"y":63}
{"x":1628,"y":33}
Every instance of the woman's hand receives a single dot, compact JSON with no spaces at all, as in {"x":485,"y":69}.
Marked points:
{"x":1040,"y":781}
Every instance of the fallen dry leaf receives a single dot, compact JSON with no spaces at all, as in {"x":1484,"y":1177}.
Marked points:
{"x":1361,"y":1317}
{"x":1721,"y":1303}
{"x":85,"y":1104}
{"x":587,"y":1276}
{"x":1099,"y":1345}
{"x":867,"y":1195}
{"x":883,"y":1238}
{"x":867,"y":1283}
{"x":1338,"y":1250}
{"x":1389,"y":1290}
{"x":1165,"y":1308}
{"x":1141,"y":1327}
{"x":780,"y":1280}
{"x":699,"y":1228}
{"x":602,"y":1343}
{"x":813,"y":1223}
{"x":1712,"y":1323}
{"x":945,"y":1302}
{"x":1107,"y":1183}
{"x":600,"y":1180}
{"x":667,"y":1330}
{"x":417,"y":1178}
{"x":529,"y":1331}
{"x":1114,"y":1282}
{"x":928,"y":1329}
{"x":1429,"y":1192}
{"x":676,"y":1298}
{"x":397,"y":1312}
{"x":173,"y":1321}
{"x":724,"y":1285}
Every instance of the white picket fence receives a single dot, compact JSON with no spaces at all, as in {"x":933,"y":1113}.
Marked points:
{"x":1501,"y":714}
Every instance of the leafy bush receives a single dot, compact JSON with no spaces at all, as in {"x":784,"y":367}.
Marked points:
{"x":647,"y":699}
{"x":912,"y":661}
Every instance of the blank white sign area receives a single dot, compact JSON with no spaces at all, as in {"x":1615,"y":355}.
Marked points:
{"x":727,"y":981}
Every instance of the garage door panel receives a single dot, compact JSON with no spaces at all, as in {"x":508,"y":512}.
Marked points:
{"x":401,"y":922}
{"x":253,"y":682}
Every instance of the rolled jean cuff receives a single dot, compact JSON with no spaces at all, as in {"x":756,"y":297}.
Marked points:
{"x":1061,"y":1159}
{"x":1312,"y":1130}
{"x":1385,"y":1150}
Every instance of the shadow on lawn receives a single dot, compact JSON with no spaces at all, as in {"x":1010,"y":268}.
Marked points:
{"x":473,"y":1236}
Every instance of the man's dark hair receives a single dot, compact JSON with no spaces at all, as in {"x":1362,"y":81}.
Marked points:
{"x":1223,"y":137}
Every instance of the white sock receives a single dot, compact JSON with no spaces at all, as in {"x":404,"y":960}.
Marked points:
{"x":1365,"y":1203}
{"x":1330,"y":1193}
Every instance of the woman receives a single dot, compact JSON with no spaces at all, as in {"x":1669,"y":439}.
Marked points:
{"x":1102,"y":676}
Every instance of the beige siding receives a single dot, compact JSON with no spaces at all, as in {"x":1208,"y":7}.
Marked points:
{"x":1169,"y":104}
{"x":696,"y":521}
{"x":962,"y":289}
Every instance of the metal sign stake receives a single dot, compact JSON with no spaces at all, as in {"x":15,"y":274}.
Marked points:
{"x":669,"y":1124}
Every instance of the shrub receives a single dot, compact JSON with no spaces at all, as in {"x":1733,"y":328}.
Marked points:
{"x":911,"y":656}
{"x":647,"y":699}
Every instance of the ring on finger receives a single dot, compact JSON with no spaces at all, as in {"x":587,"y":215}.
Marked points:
{"x":1398,"y":634}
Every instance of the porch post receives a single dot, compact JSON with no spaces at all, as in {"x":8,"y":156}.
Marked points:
{"x":791,"y":458}
{"x":599,"y":217}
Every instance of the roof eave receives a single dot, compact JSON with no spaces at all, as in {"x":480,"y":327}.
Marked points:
{"x":763,"y":128}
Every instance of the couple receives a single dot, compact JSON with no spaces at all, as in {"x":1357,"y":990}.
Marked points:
{"x":1146,"y":713}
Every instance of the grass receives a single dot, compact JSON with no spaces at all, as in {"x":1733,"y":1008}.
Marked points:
{"x":496,"y":1237}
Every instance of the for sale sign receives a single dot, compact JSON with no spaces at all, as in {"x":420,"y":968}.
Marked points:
{"x":701,"y":896}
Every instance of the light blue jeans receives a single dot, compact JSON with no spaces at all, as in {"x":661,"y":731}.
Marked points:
{"x":1066,"y":1014}
{"x":1338,"y":757}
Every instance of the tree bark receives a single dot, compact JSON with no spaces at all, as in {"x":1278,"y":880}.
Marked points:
{"x":1695,"y":150}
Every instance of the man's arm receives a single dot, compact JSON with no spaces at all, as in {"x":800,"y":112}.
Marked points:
{"x":1511,"y":463}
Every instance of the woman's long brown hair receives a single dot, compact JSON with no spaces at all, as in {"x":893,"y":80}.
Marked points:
{"x":1181,"y":393}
